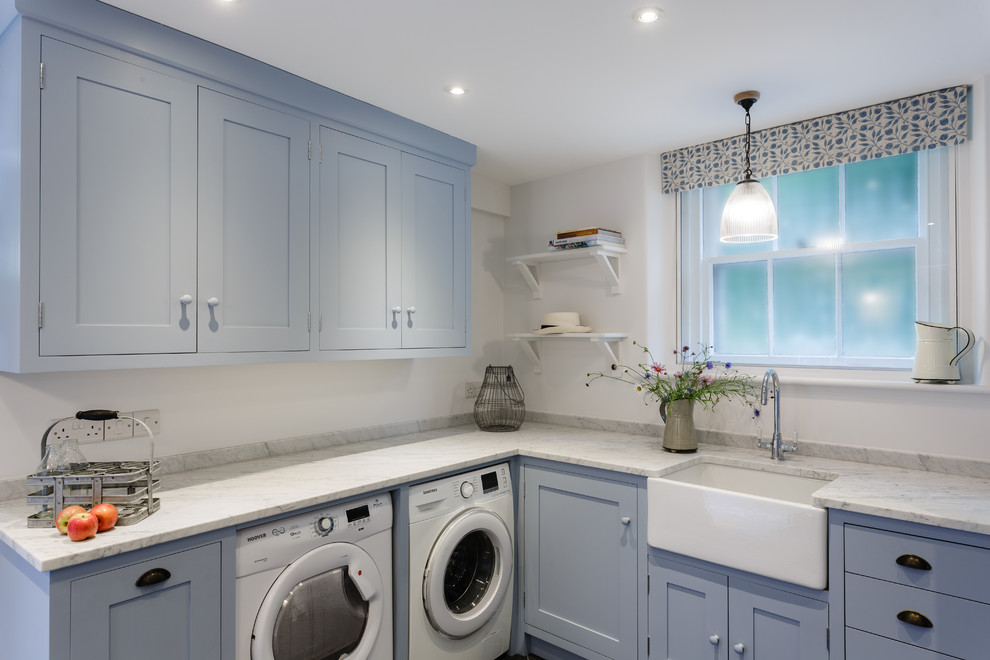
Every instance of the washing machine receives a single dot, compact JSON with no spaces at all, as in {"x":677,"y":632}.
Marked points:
{"x":317,"y":584}
{"x":460,"y":566}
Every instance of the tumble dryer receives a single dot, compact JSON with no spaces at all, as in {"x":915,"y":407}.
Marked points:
{"x":460,"y":566}
{"x":317,"y":585}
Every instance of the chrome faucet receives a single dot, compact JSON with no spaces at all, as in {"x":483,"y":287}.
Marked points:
{"x":776,"y":445}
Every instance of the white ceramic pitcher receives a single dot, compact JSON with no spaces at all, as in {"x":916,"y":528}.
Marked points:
{"x":936,"y":358}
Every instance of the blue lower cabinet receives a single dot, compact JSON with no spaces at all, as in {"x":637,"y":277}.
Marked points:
{"x":913,"y":591}
{"x":700,"y":614}
{"x":581,"y":562}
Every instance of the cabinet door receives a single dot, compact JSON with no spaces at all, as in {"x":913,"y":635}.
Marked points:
{"x":179,"y":617}
{"x":580,"y":560}
{"x":434,"y":254}
{"x":360,"y":234}
{"x":776,"y":625}
{"x":118,"y":213}
{"x":688,"y":612}
{"x":253,"y":227}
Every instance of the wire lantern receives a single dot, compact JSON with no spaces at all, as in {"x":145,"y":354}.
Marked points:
{"x":500,"y":405}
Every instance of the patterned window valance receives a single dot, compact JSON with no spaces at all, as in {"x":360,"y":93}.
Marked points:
{"x":926,"y":121}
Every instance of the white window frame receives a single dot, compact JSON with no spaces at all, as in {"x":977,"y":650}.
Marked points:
{"x":938,"y":192}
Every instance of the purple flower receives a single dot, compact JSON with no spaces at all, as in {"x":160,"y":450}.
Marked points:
{"x":756,"y":412}
{"x":728,"y":365}
{"x":709,"y":365}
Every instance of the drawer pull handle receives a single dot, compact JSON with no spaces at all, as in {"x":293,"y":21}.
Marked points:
{"x":915,"y":619}
{"x":914,"y":561}
{"x":155,"y":576}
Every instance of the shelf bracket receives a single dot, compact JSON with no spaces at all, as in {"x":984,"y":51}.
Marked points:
{"x":529,"y":349}
{"x":532,"y":273}
{"x":610,"y":272}
{"x":610,"y":347}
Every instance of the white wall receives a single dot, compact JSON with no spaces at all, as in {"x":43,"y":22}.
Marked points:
{"x":625,"y":195}
{"x":214,"y":407}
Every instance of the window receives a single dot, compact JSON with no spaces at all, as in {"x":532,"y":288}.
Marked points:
{"x":864,"y":250}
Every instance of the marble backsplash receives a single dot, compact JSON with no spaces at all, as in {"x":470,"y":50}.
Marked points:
{"x":16,"y":488}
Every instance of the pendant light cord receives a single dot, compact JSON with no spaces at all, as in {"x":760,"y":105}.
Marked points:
{"x":749,"y":170}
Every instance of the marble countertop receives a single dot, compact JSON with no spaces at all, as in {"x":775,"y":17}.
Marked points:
{"x":208,"y":499}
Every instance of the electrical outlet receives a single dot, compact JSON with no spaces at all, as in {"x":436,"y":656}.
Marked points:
{"x":153,"y":418}
{"x":118,"y":429}
{"x":471,"y":390}
{"x":82,"y":430}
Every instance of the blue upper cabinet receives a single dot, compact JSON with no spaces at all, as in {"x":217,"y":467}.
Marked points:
{"x":253,"y":227}
{"x":118,"y":213}
{"x":434,"y":254}
{"x":360,"y":237}
{"x":163,"y":202}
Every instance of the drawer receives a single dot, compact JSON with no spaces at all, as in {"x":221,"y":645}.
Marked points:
{"x":955,"y":569}
{"x":864,"y":646}
{"x":958,"y":625}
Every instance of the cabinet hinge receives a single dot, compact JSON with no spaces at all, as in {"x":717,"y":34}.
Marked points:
{"x":309,"y":321}
{"x":321,"y":322}
{"x":41,"y":315}
{"x":41,"y":75}
{"x":647,"y":645}
{"x":828,"y":639}
{"x":321,"y":153}
{"x":309,"y":150}
{"x":647,"y":584}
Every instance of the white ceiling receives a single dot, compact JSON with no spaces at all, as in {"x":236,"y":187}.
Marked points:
{"x":558,"y":85}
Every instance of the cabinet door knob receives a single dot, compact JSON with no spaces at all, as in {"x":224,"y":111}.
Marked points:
{"x":186,"y":299}
{"x":396,"y":309}
{"x":739,"y":648}
{"x":714,"y":640}
{"x":154,"y":576}
{"x":213,"y":302}
{"x":913,"y":618}
{"x":625,"y":520}
{"x":411,"y":310}
{"x":914,"y":561}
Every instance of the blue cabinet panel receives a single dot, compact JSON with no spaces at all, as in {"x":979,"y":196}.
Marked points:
{"x":253,"y":227}
{"x":580,"y":561}
{"x":360,"y":234}
{"x":180,"y":617}
{"x":688,"y":605}
{"x":118,"y":217}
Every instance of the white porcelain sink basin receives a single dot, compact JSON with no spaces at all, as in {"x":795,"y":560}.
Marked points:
{"x":756,"y":521}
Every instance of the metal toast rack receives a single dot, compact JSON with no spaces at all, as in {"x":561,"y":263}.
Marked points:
{"x":128,"y":485}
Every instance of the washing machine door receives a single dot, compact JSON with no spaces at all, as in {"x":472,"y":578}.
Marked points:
{"x":326,"y":605}
{"x":467,"y":574}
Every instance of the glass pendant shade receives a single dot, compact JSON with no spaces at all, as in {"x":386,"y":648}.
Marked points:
{"x":748,"y":216}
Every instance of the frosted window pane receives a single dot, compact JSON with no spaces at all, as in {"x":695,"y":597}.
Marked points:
{"x":714,"y":201}
{"x":882,"y":199}
{"x":740,"y":308}
{"x":808,"y":209}
{"x":878,"y":303}
{"x":804,"y":306}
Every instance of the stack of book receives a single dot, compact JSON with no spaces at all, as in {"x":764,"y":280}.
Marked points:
{"x":587,"y":237}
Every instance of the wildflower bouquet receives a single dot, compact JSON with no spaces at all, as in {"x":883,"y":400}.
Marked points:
{"x":699,"y":378}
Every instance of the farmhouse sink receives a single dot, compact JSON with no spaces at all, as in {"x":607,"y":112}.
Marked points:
{"x":745,"y":518}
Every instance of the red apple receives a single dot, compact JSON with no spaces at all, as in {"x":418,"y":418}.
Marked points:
{"x":107,"y":514}
{"x":82,"y":526}
{"x":62,"y":519}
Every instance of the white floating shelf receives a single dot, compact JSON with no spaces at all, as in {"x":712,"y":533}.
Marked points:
{"x":531,"y":265}
{"x":608,"y":342}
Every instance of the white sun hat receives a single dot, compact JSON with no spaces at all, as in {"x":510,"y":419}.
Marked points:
{"x":558,"y":323}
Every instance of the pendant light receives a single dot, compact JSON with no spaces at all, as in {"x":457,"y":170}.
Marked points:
{"x":748,"y":216}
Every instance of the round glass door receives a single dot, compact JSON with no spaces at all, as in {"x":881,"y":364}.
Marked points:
{"x":326,"y":605}
{"x":467,"y":573}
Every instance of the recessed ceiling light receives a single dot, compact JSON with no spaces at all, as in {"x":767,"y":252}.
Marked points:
{"x":647,"y":15}
{"x":456,"y":90}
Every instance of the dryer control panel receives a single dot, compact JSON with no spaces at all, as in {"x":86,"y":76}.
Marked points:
{"x":283,"y":540}
{"x":467,"y":489}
